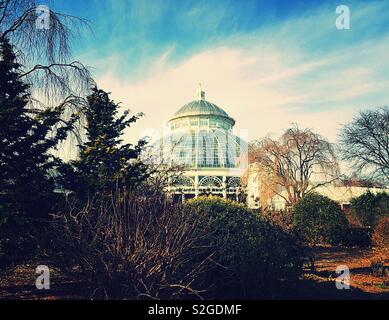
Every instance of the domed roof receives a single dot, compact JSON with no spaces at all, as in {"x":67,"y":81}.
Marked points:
{"x":200,"y":106}
{"x":202,"y":144}
{"x":197,"y":107}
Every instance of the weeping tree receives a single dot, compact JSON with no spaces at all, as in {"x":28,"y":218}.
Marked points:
{"x":294,"y":165}
{"x":41,"y":41}
{"x":41,"y":38}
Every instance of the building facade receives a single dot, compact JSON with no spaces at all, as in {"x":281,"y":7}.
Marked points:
{"x":337,"y":191}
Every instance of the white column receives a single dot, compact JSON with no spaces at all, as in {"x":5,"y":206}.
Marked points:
{"x":196,"y":185}
{"x":224,"y":187}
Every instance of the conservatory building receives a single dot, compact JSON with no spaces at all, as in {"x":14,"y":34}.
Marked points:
{"x":201,"y":142}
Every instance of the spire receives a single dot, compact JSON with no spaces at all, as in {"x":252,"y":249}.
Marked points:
{"x":200,"y":94}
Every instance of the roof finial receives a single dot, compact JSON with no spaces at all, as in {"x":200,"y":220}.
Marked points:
{"x":200,"y":93}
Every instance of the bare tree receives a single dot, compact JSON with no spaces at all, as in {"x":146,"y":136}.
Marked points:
{"x":296,"y":164}
{"x":365,"y":144}
{"x":46,"y":61}
{"x":44,"y":53}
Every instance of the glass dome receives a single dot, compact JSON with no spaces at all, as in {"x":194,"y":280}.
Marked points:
{"x":201,"y":137}
{"x":203,"y":148}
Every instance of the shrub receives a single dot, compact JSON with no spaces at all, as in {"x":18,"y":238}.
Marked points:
{"x":18,"y":242}
{"x":133,"y":247}
{"x":136,"y":247}
{"x":20,"y":235}
{"x":279,"y":217}
{"x":357,"y":237}
{"x":319,"y":219}
{"x":251,"y":255}
{"x":378,"y":268}
{"x":381,"y":234}
{"x":369,"y":208}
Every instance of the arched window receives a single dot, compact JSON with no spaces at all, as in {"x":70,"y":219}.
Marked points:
{"x":211,"y":182}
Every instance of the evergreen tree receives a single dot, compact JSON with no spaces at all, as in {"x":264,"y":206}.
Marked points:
{"x":26,"y":137}
{"x":105,"y":163}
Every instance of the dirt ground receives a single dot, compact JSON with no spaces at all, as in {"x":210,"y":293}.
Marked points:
{"x":366,"y":282}
{"x":367,"y":279}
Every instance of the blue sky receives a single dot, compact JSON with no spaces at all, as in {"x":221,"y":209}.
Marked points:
{"x":267,"y":63}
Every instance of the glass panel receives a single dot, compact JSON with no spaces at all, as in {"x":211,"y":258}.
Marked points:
{"x":203,"y":122}
{"x":205,"y":148}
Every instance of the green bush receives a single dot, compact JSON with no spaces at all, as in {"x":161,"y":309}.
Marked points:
{"x":319,"y":220}
{"x":357,"y":237}
{"x":369,"y":208}
{"x":381,"y":234}
{"x":22,"y":231}
{"x":251,"y":255}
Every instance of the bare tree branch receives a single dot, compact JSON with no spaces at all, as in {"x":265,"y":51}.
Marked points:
{"x":45,"y":47}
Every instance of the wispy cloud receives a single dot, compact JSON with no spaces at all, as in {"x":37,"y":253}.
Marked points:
{"x":299,"y":70}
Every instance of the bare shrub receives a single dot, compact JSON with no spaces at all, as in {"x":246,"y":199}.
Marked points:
{"x":134,"y":247}
{"x":381,"y":234}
